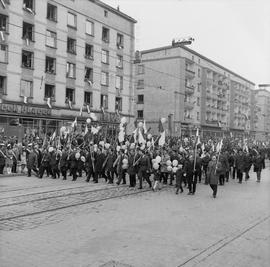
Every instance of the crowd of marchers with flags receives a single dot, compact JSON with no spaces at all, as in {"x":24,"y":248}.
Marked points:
{"x":140,"y":159}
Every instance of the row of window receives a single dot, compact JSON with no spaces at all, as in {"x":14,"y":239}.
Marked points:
{"x":26,"y":90}
{"x":50,"y":67}
{"x":28,"y":29}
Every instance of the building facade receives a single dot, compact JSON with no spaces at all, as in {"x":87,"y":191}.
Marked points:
{"x":261,"y":117}
{"x":60,"y":56}
{"x":192,"y":92}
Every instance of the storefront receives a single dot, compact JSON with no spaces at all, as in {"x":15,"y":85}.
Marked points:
{"x":40,"y":120}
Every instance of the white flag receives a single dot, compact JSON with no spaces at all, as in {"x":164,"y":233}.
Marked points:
{"x":88,"y":109}
{"x":49,"y":102}
{"x":25,"y":99}
{"x":80,"y":113}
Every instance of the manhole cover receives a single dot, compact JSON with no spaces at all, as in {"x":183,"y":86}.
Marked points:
{"x":115,"y":264}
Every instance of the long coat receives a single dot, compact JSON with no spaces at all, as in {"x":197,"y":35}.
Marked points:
{"x":213,"y":171}
{"x":32,"y":160}
{"x":258,"y":163}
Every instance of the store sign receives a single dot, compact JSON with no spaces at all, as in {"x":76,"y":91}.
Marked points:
{"x":26,"y":110}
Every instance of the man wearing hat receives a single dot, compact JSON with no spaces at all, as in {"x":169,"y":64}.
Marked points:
{"x":2,"y":158}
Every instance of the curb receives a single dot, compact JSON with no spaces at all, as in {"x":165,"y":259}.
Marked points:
{"x":11,"y":175}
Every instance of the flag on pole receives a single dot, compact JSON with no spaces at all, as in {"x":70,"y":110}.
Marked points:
{"x":197,"y":140}
{"x":27,"y":42}
{"x":49,"y":102}
{"x":141,"y":140}
{"x":70,"y":104}
{"x":88,"y":109}
{"x":53,"y":136}
{"x":86,"y":130}
{"x":74,"y":123}
{"x":2,"y":35}
{"x":144,"y":127}
{"x":25,"y":99}
{"x":219,"y":146}
{"x":161,"y":130}
{"x":80,"y":113}
{"x":135,"y":133}
{"x":102,"y":109}
{"x":41,"y":82}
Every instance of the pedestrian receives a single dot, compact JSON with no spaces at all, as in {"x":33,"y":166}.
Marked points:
{"x":258,"y":166}
{"x":213,"y":173}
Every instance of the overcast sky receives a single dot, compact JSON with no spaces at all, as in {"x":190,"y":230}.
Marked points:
{"x":234,"y":33}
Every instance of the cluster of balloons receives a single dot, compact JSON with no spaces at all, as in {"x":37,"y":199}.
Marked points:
{"x":172,"y":166}
{"x":124,"y":164}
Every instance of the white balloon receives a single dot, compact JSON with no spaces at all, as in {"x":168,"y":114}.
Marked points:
{"x":148,"y":144}
{"x":124,"y":147}
{"x":175,"y":163}
{"x":153,"y":161}
{"x":142,"y":147}
{"x":93,"y":116}
{"x":77,"y":155}
{"x":168,"y":163}
{"x":88,"y":120}
{"x":132,"y":146}
{"x":101,"y":143}
{"x":156,"y":166}
{"x":169,"y":168}
{"x":82,"y":158}
{"x":63,"y":129}
{"x":140,"y":124}
{"x":107,"y":145}
{"x":175,"y":169}
{"x":124,"y":166}
{"x":118,"y":148}
{"x":149,"y":136}
{"x":123,"y":120}
{"x":125,"y":161}
{"x":95,"y":149}
{"x":158,"y":159}
{"x":163,"y":120}
{"x":51,"y":149}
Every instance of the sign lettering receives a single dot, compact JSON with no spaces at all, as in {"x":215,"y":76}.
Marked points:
{"x":21,"y":109}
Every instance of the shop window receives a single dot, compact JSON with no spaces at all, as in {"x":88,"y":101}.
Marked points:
{"x":28,"y":5}
{"x":70,"y":95}
{"x":27,"y":59}
{"x":71,"y":20}
{"x":119,"y":82}
{"x":140,"y":99}
{"x":89,"y":27}
{"x":3,"y":53}
{"x":88,"y":76}
{"x":28,"y":31}
{"x":50,"y":65}
{"x":89,"y":51}
{"x":49,"y":91}
{"x":118,"y":104}
{"x":105,"y":56}
{"x":71,"y":73}
{"x":26,"y":88}
{"x":51,"y":12}
{"x":104,"y":101}
{"x":51,"y":39}
{"x":105,"y":35}
{"x":140,"y":114}
{"x":105,"y":78}
{"x":71,"y":45}
{"x":120,"y":41}
{"x":3,"y":84}
{"x":3,"y":23}
{"x":119,"y":62}
{"x":88,"y":98}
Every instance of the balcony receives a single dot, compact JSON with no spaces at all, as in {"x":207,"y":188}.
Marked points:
{"x":189,"y":88}
{"x":190,"y":72}
{"x":188,"y":119}
{"x":189,"y":105}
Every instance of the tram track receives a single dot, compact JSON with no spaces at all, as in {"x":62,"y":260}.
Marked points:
{"x":51,"y":197}
{"x":90,"y":198}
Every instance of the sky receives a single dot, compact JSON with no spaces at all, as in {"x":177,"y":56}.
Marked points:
{"x":233,"y":33}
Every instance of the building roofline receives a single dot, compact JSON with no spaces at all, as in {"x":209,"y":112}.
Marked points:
{"x":114,"y":10}
{"x":197,"y":54}
{"x":261,"y":90}
{"x":264,"y":85}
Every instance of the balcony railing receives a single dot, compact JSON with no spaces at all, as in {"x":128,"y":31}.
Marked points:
{"x":190,"y":88}
{"x":189,"y":71}
{"x":189,"y":105}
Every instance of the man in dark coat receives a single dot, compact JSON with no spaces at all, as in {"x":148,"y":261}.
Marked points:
{"x":90,"y":164}
{"x":2,"y":159}
{"x":31,"y":161}
{"x":64,"y":163}
{"x":240,"y":165}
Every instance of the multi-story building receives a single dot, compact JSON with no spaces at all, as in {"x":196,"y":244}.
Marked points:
{"x":60,"y":56}
{"x":191,"y":91}
{"x":261,"y":112}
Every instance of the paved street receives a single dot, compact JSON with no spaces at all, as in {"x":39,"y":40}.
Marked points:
{"x":62,"y":223}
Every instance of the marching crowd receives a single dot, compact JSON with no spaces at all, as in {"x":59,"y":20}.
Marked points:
{"x":178,"y":163}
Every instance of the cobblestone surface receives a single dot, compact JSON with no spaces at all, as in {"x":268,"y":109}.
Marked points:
{"x":158,"y":229}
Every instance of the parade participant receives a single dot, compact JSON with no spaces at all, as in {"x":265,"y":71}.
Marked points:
{"x":63,"y":163}
{"x":120,"y":166}
{"x":163,"y":166}
{"x":44,"y":164}
{"x":205,"y":161}
{"x":240,"y":165}
{"x":22,"y":157}
{"x":224,"y":168}
{"x":53,"y":162}
{"x":213,"y":173}
{"x":156,"y":173}
{"x":15,"y":152}
{"x":90,"y":164}
{"x":74,"y":163}
{"x":9,"y":159}
{"x":189,"y":171}
{"x":132,"y":167}
{"x":247,"y":165}
{"x":231,"y":160}
{"x":31,"y":161}
{"x":2,"y":159}
{"x":144,"y":168}
{"x":108,"y":166}
{"x":100,"y":158}
{"x":258,"y":166}
{"x":179,"y":179}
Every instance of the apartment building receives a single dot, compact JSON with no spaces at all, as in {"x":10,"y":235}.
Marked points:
{"x":58,"y":57}
{"x":191,"y":91}
{"x":261,"y":112}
